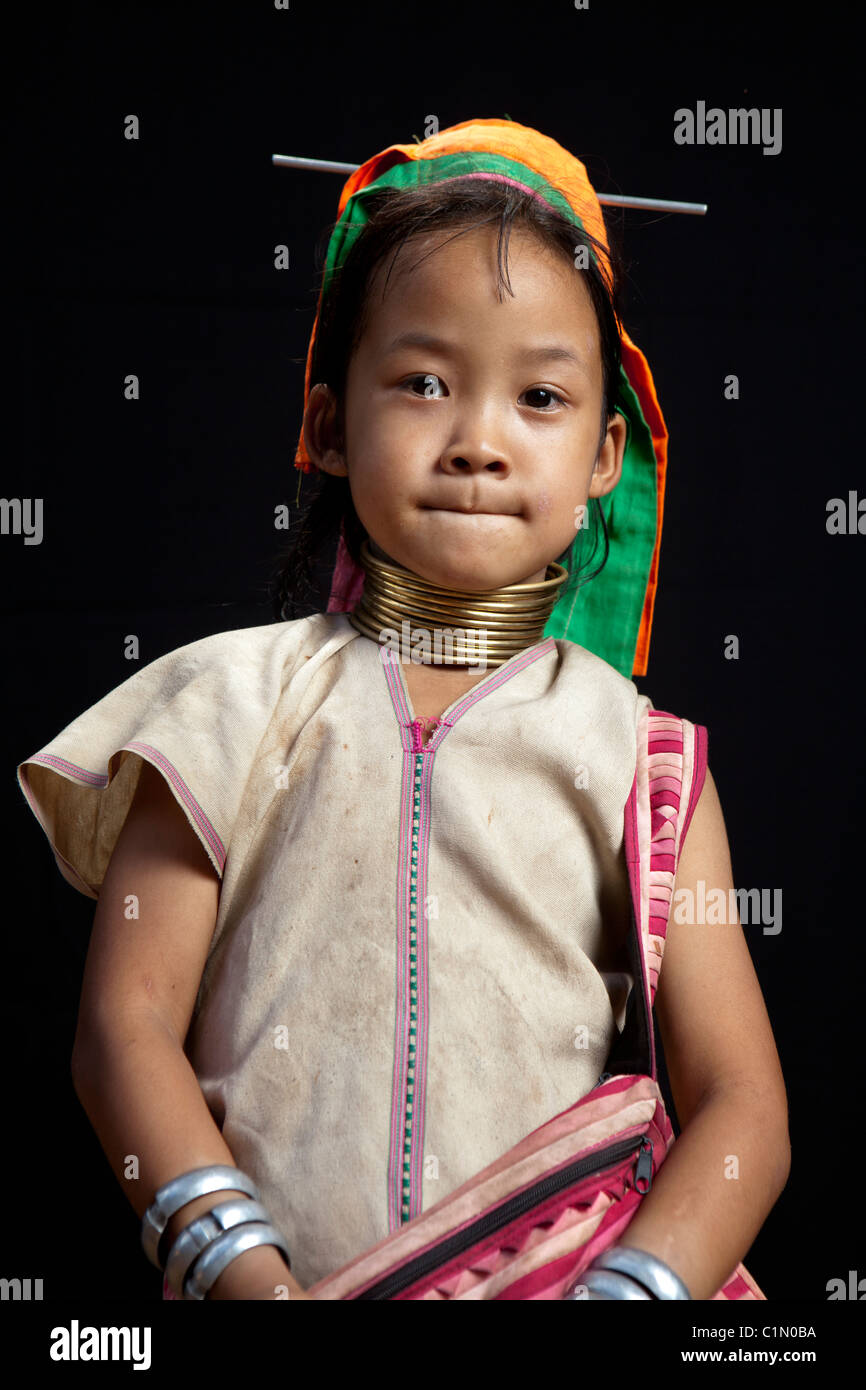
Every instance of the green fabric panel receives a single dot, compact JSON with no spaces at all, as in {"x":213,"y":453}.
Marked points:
{"x":605,"y":615}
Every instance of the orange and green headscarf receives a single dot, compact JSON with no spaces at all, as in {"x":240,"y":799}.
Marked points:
{"x":612,"y":616}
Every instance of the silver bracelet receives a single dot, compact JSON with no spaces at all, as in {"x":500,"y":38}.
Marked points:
{"x":197,"y":1236}
{"x":605,"y":1284}
{"x":649,"y":1270}
{"x":220,"y":1253}
{"x":173,"y":1195}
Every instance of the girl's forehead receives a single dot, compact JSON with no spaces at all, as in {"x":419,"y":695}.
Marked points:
{"x":446,"y":251}
{"x":446,"y":275}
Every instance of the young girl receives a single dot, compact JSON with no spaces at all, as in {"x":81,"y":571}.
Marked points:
{"x":360,"y":875}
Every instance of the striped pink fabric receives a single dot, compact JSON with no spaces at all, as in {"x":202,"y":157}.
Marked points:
{"x":671,"y":768}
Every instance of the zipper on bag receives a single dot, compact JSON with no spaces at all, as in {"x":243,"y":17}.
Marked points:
{"x":456,"y":1244}
{"x":644,"y":1169}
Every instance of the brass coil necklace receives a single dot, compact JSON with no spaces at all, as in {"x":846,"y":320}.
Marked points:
{"x":452,"y":627}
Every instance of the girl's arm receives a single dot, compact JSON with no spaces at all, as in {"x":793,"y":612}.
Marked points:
{"x":141,"y":979}
{"x":731,"y":1161}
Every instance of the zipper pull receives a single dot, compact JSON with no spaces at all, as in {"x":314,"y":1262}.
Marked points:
{"x":644,"y":1169}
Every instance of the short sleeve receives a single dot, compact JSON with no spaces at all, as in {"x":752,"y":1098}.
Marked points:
{"x":197,"y":714}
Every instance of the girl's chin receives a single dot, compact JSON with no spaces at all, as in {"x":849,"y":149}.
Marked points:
{"x":472,"y":568}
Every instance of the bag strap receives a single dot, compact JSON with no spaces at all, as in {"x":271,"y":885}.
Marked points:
{"x":669,"y":776}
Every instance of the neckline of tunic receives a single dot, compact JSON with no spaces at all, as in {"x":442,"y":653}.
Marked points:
{"x":391,"y":667}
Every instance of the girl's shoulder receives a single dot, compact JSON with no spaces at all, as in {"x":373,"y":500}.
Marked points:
{"x":198,"y":714}
{"x":293,"y":641}
{"x":597,"y":680}
{"x":242,"y":669}
{"x":660,"y":734}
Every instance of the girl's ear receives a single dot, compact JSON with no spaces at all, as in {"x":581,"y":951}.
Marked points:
{"x":608,"y":466}
{"x":321,"y":435}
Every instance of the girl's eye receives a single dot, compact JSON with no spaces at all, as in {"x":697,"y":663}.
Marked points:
{"x":543,"y":391}
{"x":428,"y":382}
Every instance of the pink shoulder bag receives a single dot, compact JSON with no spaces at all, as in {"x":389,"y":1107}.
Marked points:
{"x":530,"y":1223}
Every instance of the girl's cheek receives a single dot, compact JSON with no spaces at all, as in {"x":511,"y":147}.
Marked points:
{"x":545,"y":502}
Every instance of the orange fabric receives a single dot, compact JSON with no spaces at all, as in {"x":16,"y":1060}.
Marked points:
{"x":638,"y":372}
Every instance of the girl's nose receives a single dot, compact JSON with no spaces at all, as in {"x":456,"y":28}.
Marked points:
{"x":463,"y":458}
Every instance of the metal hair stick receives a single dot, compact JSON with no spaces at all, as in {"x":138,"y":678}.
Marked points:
{"x":615,"y":200}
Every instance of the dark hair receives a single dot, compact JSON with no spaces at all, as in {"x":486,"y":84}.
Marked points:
{"x":395,"y":215}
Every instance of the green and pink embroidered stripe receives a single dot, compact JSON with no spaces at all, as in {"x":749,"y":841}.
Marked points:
{"x":408,"y":1092}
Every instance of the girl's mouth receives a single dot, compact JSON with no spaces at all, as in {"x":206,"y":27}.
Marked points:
{"x":468,"y":511}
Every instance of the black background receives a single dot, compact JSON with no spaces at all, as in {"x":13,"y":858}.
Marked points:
{"x":156,"y":257}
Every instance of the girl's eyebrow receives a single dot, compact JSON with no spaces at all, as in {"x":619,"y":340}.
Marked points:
{"x":542,"y":352}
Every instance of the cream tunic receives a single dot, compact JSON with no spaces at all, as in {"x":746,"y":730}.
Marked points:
{"x":419,"y":954}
